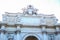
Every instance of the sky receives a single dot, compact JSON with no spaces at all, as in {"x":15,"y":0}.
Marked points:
{"x":44,"y":6}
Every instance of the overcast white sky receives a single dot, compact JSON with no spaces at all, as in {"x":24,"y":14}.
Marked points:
{"x":44,"y":6}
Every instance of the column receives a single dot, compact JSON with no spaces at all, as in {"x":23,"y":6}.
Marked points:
{"x":18,"y":32}
{"x":57,"y":34}
{"x":45,"y":37}
{"x":57,"y":30}
{"x":3,"y":32}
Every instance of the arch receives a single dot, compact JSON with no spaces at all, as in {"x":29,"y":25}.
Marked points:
{"x":31,"y":38}
{"x":34,"y":35}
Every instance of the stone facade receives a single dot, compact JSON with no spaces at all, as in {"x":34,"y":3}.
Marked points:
{"x":29,"y":25}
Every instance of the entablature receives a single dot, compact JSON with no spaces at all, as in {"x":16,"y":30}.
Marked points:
{"x":29,"y":26}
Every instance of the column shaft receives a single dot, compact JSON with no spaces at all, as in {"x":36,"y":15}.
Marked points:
{"x":45,"y":37}
{"x":18,"y":33}
{"x":2,"y":33}
{"x":18,"y":36}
